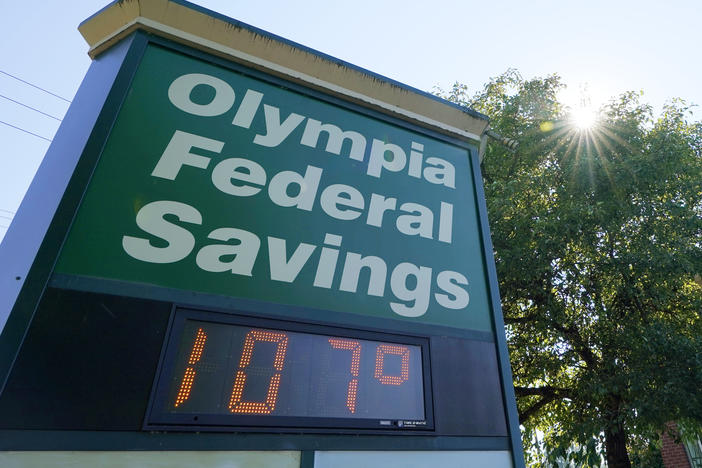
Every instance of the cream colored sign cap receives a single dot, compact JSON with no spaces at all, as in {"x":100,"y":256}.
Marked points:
{"x":216,"y":34}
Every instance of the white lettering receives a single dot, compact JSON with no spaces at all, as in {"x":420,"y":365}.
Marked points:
{"x":247,"y":110}
{"x":151,"y":219}
{"x":182,"y":87}
{"x":177,"y":154}
{"x":282,"y":268}
{"x":335,"y":138}
{"x":449,"y":282}
{"x":443,"y":173}
{"x":415,"y":165}
{"x":277,"y":132}
{"x":209,"y":258}
{"x":378,"y":160}
{"x":231,"y":169}
{"x":332,"y":198}
{"x":419,"y":295}
{"x":352,"y":270}
{"x":308,"y":185}
{"x":327,"y":262}
{"x":421,"y":223}
{"x":378,"y":206}
{"x":446,"y":222}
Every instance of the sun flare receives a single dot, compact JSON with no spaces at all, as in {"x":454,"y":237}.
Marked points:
{"x":584,"y":118}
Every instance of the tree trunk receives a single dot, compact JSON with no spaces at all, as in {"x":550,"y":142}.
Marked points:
{"x":615,"y":445}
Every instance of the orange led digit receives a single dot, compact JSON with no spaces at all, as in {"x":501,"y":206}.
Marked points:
{"x":397,"y":350}
{"x":355,"y":347}
{"x":186,"y":384}
{"x":236,"y":405}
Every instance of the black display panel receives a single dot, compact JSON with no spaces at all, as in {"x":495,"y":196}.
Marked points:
{"x":220,"y":370}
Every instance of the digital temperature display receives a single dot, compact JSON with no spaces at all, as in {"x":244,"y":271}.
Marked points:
{"x":221,"y":374}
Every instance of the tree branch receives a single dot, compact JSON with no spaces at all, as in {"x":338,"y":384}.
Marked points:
{"x":548,"y":394}
{"x":523,"y":319}
{"x":570,"y":333}
{"x":533,"y":409}
{"x":579,"y":344}
{"x":543,"y":391}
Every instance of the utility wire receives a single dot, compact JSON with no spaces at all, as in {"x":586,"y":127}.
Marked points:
{"x":25,"y":131}
{"x":6,"y":217}
{"x":34,"y":86}
{"x":30,"y":107}
{"x":8,"y":211}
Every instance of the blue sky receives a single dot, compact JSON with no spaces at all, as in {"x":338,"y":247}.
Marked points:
{"x":605,"y":47}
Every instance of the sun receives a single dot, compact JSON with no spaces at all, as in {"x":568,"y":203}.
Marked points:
{"x":584,"y":118}
{"x":582,"y":102}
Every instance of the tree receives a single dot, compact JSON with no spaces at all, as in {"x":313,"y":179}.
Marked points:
{"x":598,"y":244}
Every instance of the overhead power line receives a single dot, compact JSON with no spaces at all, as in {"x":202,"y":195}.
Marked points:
{"x":34,"y":86}
{"x":5,"y":217}
{"x":8,"y":211}
{"x":25,"y":131}
{"x":30,"y":107}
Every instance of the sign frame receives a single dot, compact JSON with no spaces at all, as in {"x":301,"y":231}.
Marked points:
{"x":61,"y":183}
{"x":291,"y":423}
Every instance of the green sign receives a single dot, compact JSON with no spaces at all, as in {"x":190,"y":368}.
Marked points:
{"x":217,"y":182}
